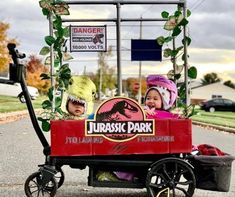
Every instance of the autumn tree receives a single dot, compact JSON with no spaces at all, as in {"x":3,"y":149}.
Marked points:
{"x":229,"y":83}
{"x":4,"y":54}
{"x":34,"y":68}
{"x":210,"y":78}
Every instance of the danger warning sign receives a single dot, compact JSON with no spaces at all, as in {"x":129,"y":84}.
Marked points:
{"x":88,"y":38}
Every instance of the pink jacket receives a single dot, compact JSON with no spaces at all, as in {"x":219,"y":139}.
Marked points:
{"x":161,"y":114}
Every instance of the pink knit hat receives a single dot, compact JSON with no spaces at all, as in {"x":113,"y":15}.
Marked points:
{"x":165,"y":87}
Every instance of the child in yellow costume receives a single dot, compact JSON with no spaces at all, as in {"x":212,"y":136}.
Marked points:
{"x":77,"y":100}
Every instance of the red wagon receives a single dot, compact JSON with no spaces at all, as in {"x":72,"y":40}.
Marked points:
{"x":156,"y":150}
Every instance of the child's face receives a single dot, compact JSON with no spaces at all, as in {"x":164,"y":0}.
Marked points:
{"x":153,"y":99}
{"x":75,"y":108}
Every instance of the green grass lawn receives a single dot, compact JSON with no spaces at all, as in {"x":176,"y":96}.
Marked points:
{"x":226,"y":119}
{"x":10,"y":104}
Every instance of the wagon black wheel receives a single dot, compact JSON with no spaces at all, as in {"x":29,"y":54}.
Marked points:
{"x":171,"y":175}
{"x":59,"y":177}
{"x":34,"y":188}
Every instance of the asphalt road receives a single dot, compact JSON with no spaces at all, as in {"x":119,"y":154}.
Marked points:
{"x":21,"y":152}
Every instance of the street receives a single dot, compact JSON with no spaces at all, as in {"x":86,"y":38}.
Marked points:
{"x":21,"y":152}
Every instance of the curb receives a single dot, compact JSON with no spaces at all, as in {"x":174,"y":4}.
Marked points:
{"x":14,"y":116}
{"x":215,"y":127}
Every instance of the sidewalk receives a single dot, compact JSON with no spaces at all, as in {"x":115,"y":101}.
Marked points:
{"x":14,"y":116}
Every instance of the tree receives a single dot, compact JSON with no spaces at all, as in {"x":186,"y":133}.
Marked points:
{"x":210,"y":78}
{"x":34,"y":68}
{"x":229,"y":83}
{"x":104,"y":78}
{"x":4,"y":40}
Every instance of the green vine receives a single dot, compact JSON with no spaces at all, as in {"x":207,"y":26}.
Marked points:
{"x":174,"y":26}
{"x":53,"y":9}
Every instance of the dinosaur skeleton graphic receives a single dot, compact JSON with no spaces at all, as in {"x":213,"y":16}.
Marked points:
{"x":117,"y":112}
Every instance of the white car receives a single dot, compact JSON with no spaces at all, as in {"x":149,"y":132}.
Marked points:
{"x":15,"y":90}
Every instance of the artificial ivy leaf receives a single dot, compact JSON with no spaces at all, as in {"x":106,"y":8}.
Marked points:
{"x":179,"y":48}
{"x":45,"y":126}
{"x":168,"y":39}
{"x":179,"y":69}
{"x":67,"y":56}
{"x":61,"y":9}
{"x":66,"y":83}
{"x":179,"y":19}
{"x":165,"y":14}
{"x":45,"y":50}
{"x":45,"y":12}
{"x":47,"y":61}
{"x":50,"y":93}
{"x":192,"y":72}
{"x":182,"y":91}
{"x":170,"y":74}
{"x":176,"y":31}
{"x":160,"y":40}
{"x":57,"y":23}
{"x":56,"y":63}
{"x":66,"y":32}
{"x":49,"y":40}
{"x":170,"y":24}
{"x":183,"y":22}
{"x":46,"y":104}
{"x":57,"y":102}
{"x":177,"y":13}
{"x":46,"y":4}
{"x":44,"y":76}
{"x":60,"y":32}
{"x":174,"y":53}
{"x":177,"y":76}
{"x":59,"y":110}
{"x":40,"y":119}
{"x":188,"y":13}
{"x":167,"y":52}
{"x":186,"y":40}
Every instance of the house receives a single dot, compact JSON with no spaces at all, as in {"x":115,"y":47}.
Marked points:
{"x":213,"y":90}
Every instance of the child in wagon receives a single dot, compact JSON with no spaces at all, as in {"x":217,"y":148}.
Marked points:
{"x":160,"y":97}
{"x":77,"y":102}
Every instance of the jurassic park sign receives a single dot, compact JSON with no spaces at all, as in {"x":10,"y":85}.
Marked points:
{"x":119,"y":119}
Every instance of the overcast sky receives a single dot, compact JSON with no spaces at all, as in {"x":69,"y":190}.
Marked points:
{"x":211,"y":29}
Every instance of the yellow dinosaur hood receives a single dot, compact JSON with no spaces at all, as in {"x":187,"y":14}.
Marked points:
{"x":82,"y":89}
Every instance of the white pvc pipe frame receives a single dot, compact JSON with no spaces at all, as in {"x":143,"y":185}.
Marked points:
{"x":118,"y":21}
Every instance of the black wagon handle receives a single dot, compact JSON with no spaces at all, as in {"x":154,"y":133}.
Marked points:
{"x":19,"y":77}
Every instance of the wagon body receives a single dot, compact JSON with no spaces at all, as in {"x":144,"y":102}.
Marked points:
{"x":171,"y":136}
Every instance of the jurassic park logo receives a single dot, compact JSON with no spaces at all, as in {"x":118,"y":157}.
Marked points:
{"x":119,"y":119}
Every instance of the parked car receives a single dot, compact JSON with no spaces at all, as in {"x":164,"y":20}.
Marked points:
{"x":218,"y":104}
{"x":15,"y":90}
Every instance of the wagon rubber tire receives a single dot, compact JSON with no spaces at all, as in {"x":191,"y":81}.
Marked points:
{"x":33,"y":188}
{"x":173,"y":175}
{"x":59,"y":177}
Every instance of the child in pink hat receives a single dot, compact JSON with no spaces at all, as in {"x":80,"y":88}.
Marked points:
{"x":160,"y":97}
